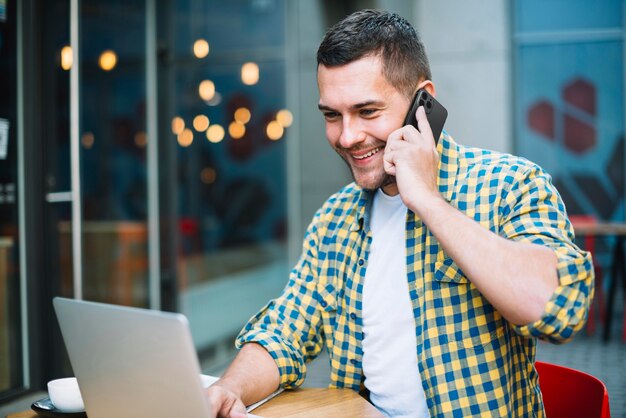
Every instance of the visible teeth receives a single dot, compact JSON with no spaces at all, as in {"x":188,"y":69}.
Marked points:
{"x":369,"y":154}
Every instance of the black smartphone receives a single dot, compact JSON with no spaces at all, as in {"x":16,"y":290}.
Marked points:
{"x":435,"y":112}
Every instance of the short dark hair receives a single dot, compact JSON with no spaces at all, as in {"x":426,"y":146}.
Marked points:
{"x":374,"y":32}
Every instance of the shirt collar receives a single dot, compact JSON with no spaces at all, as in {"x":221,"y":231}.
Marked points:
{"x":362,"y":209}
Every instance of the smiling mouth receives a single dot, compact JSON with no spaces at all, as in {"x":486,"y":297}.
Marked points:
{"x":369,"y":154}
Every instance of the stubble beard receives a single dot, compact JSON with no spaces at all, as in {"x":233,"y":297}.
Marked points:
{"x":379,"y":181}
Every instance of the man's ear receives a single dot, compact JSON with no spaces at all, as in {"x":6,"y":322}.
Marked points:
{"x":429,"y":86}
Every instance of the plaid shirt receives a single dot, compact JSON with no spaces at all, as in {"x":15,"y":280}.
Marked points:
{"x":471,"y":360}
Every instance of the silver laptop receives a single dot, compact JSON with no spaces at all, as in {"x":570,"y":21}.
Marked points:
{"x":132,"y":362}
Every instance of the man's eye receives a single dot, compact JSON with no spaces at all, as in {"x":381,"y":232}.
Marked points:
{"x":367,"y":112}
{"x":331,"y":115}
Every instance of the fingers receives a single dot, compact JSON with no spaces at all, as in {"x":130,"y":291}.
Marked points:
{"x":238,"y":414}
{"x":388,"y":164}
{"x":225,"y":404}
{"x":408,"y":141}
{"x":238,"y":410}
{"x":422,"y":123}
{"x":395,"y":142}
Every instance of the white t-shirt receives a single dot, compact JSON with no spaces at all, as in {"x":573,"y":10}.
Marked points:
{"x":389,"y":344}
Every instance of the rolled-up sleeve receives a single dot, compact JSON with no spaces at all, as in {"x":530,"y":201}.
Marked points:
{"x":532,"y":211}
{"x":288,"y":327}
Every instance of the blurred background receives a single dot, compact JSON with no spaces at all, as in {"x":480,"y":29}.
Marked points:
{"x":170,"y":154}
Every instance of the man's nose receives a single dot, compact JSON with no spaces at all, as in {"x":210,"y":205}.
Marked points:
{"x":351,"y":133}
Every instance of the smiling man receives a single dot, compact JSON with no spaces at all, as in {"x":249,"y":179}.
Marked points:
{"x":430,"y":278}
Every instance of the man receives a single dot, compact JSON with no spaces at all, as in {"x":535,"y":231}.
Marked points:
{"x":428,"y":279}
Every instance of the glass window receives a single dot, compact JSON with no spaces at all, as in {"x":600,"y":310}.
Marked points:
{"x":223,"y":128}
{"x":569,"y":101}
{"x":113,"y":151}
{"x":573,"y":15}
{"x":10,"y":306}
{"x":228,"y":126}
{"x":56,"y":62}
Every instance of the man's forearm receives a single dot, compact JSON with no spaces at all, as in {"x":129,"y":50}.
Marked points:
{"x":517,"y":278}
{"x":253,"y":374}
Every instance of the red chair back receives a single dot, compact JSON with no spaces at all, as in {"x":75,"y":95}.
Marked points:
{"x":571,"y":393}
{"x":597,"y":307}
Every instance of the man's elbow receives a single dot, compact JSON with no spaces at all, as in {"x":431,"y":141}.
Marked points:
{"x":535,"y":304}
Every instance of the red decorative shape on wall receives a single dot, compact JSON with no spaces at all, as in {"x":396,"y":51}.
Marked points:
{"x":579,"y":137}
{"x":541,"y":119}
{"x":581,"y":94}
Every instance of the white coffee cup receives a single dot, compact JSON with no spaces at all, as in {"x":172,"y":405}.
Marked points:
{"x":65,"y":395}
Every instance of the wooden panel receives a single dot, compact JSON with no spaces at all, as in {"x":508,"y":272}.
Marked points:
{"x":312,"y":403}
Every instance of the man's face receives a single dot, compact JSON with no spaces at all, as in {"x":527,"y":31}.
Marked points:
{"x":361,"y":109}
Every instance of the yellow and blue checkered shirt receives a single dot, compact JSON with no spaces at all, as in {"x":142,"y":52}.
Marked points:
{"x":471,"y":360}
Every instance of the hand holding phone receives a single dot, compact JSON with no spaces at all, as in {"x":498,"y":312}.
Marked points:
{"x":435,"y":113}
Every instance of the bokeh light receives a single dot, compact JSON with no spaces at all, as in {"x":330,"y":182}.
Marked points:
{"x":236,"y":130}
{"x":215,"y":133}
{"x":242,"y":115}
{"x":206,"y":90}
{"x":284,"y":117}
{"x":216,"y":100}
{"x":250,"y":73}
{"x":185,"y":138}
{"x":141,"y":139}
{"x":107,"y":60}
{"x":200,"y":123}
{"x":178,"y":124}
{"x":274,"y":130}
{"x":87,"y":139}
{"x":66,"y":58}
{"x":201,"y":48}
{"x":208,"y":175}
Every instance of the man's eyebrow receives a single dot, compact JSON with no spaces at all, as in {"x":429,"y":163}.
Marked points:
{"x":366,"y":104}
{"x":353,"y":107}
{"x":325,"y":108}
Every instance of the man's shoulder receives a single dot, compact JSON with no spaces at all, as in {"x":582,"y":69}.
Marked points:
{"x":474,"y":158}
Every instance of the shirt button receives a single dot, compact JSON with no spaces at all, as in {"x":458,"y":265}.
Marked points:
{"x":323,"y":303}
{"x":361,"y":262}
{"x":353,"y":316}
{"x":353,"y":361}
